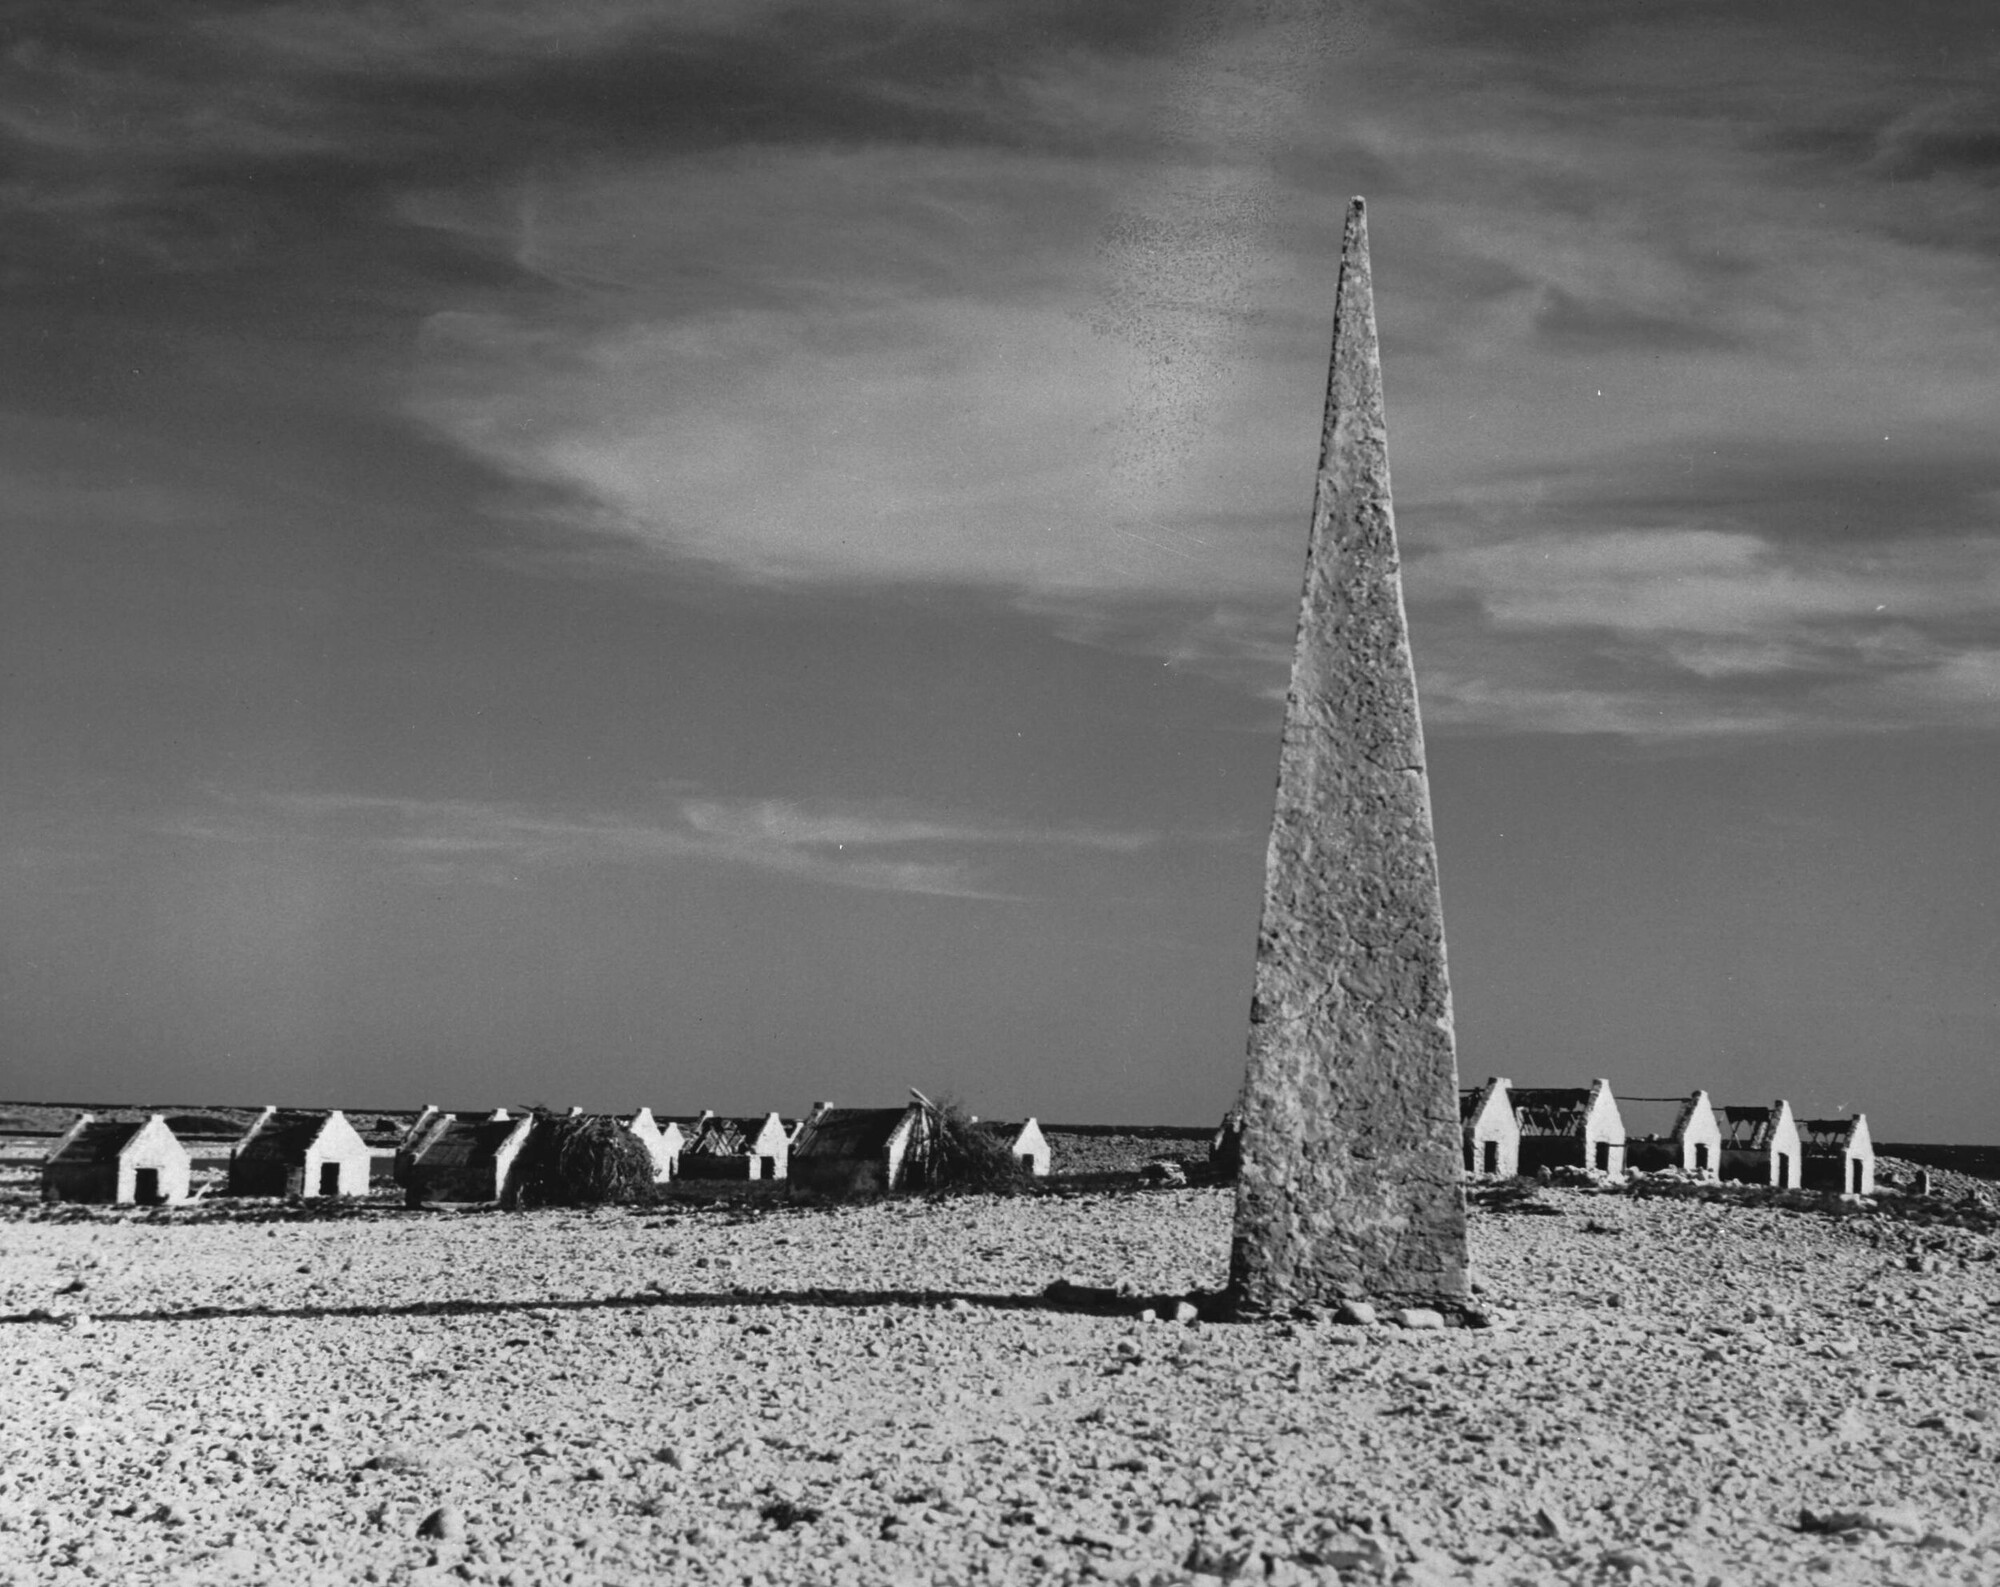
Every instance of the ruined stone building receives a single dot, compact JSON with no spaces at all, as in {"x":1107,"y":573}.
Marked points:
{"x":1570,"y":1127}
{"x":859,"y":1151}
{"x":1492,"y":1134}
{"x":1672,"y":1133}
{"x":1760,"y":1145}
{"x":1837,"y":1154}
{"x":463,"y":1157}
{"x":738,"y":1148}
{"x":120,"y":1161}
{"x":299,"y":1152}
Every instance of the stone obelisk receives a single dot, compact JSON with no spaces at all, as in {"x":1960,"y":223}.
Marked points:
{"x":1350,"y":1185}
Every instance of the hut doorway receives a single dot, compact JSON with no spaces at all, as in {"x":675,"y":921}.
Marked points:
{"x":1857,"y":1176}
{"x":1604,"y":1157}
{"x":146,"y":1187}
{"x":1784,"y":1170}
{"x":329,"y":1179}
{"x":1701,"y":1157}
{"x":1490,"y":1160}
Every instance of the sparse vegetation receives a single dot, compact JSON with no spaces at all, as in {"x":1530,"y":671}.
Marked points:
{"x":589,"y":1160}
{"x":958,"y":1154}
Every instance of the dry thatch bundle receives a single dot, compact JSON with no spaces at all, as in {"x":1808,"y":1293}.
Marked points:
{"x":955,"y":1153}
{"x":584,"y":1160}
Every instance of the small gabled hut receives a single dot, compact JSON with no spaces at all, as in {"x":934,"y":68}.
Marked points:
{"x":738,"y":1148}
{"x":466,"y":1158}
{"x":858,"y":1151}
{"x":1025,"y":1140}
{"x":663,"y":1142}
{"x":1837,"y":1154}
{"x":1565,"y":1127}
{"x":299,"y":1152}
{"x":1760,"y":1145}
{"x":121,"y":1161}
{"x":1672,"y":1133}
{"x":1492,"y":1134}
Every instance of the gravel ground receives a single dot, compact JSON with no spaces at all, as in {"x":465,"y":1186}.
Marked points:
{"x":877,"y":1394}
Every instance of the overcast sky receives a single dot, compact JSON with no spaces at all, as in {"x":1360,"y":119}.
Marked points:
{"x":722,"y":554}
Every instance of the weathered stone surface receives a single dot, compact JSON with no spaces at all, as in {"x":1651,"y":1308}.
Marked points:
{"x":1350,"y":1183}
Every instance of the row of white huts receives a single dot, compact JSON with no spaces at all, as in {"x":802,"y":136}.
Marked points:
{"x":1510,"y":1130}
{"x":473,"y":1156}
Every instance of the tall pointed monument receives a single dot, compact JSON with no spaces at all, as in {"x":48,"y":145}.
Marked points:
{"x":1350,"y":1185}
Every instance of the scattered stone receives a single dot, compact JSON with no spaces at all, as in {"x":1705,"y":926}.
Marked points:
{"x":1417,"y":1317}
{"x":1162,"y":1172}
{"x":446,"y":1524}
{"x":1186,"y":1311}
{"x":1354,"y":1313}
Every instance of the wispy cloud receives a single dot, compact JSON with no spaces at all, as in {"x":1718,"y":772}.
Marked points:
{"x":1699,"y":631}
{"x":883,"y":847}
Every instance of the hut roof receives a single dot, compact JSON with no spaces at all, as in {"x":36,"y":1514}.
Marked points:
{"x":286,"y":1134}
{"x":1827,"y":1135}
{"x":100,"y":1141}
{"x":1750,"y":1127}
{"x":466,"y":1140}
{"x":849,"y":1132}
{"x":1551,"y":1110}
{"x":729,"y":1137}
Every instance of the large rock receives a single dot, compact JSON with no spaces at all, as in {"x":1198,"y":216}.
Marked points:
{"x":1350,"y":1184}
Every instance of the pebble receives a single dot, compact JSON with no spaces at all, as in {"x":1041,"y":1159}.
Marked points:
{"x":1354,"y":1313}
{"x":446,"y":1524}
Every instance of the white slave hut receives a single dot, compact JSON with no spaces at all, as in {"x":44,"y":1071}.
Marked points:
{"x":1492,"y":1134}
{"x":1760,"y":1145}
{"x":463,"y":1157}
{"x":859,"y":1151}
{"x":738,"y":1148}
{"x":299,"y":1152}
{"x":663,"y":1143}
{"x":124,"y":1161}
{"x":1569,"y":1128}
{"x":1025,"y":1140}
{"x":1837,"y":1154}
{"x":1672,"y":1133}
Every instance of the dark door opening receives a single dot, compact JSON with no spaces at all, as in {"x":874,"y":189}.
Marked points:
{"x":1028,"y":1163}
{"x":767,"y":1167}
{"x":146,"y":1187}
{"x":329,"y":1179}
{"x":1492,"y":1157}
{"x":1784,"y":1170}
{"x":1857,"y":1176}
{"x":1701,"y":1157}
{"x":1604,"y":1157}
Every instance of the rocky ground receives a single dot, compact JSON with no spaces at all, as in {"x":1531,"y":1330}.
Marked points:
{"x":1679,"y":1389}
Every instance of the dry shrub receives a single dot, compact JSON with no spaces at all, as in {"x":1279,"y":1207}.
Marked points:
{"x":584,"y":1160}
{"x":957,"y":1154}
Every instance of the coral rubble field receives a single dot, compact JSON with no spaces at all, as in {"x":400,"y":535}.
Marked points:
{"x":1678,"y":1388}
